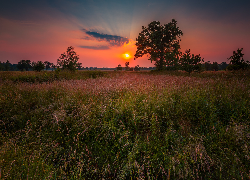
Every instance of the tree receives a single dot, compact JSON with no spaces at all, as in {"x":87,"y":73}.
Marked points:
{"x":38,"y":66}
{"x":24,"y":65}
{"x":160,"y":42}
{"x":237,"y":62}
{"x":47,"y":65}
{"x":7,"y":65}
{"x":208,"y":66}
{"x":68,"y":60}
{"x":79,"y":65}
{"x":223,"y":66}
{"x":190,"y":62}
{"x":1,"y":66}
{"x":215,"y":66}
{"x":119,"y":68}
{"x":127,"y":65}
{"x":53,"y":66}
{"x":137,"y":68}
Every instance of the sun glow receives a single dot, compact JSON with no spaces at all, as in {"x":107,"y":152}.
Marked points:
{"x":126,"y":56}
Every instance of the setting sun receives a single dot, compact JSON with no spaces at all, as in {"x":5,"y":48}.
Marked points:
{"x":126,"y":56}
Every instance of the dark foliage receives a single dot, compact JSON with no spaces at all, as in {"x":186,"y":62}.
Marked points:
{"x":24,"y":65}
{"x":119,"y":68}
{"x":160,"y":42}
{"x":237,"y":62}
{"x":190,"y":62}
{"x":68,"y":60}
{"x":215,"y":66}
{"x":38,"y":66}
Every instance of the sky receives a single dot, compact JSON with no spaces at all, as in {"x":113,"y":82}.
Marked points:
{"x":102,"y":31}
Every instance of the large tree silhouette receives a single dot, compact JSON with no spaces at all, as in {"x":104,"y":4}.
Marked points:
{"x":161,"y":42}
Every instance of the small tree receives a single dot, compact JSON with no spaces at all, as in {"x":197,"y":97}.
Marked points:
{"x":53,"y":66}
{"x":38,"y":66}
{"x":215,"y":66}
{"x":160,"y":42}
{"x":79,"y":65}
{"x":1,"y":66}
{"x":68,"y":60}
{"x":137,"y":68}
{"x":47,"y":65}
{"x":119,"y":68}
{"x":237,"y":62}
{"x":207,"y":66}
{"x":7,"y":65}
{"x":127,"y":65}
{"x":223,"y":66}
{"x":24,"y":65}
{"x":190,"y":62}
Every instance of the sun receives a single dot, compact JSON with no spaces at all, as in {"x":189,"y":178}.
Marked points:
{"x":126,"y":56}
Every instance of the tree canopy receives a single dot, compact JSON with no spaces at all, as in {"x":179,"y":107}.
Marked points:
{"x":24,"y":65}
{"x":48,"y":65}
{"x":237,"y":62}
{"x":38,"y":66}
{"x":190,"y":62}
{"x":68,"y":60}
{"x":161,"y":42}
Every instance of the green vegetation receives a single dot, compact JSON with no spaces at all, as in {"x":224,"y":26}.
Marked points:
{"x":68,"y":60}
{"x":49,"y":76}
{"x":24,"y":65}
{"x":237,"y":62}
{"x":161,"y":42}
{"x":38,"y":66}
{"x":190,"y":63}
{"x":124,"y":125}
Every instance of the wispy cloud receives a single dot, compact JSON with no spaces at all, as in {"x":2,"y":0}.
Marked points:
{"x":113,"y":40}
{"x":95,"y":47}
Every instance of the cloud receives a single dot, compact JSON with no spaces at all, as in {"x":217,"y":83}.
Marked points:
{"x":95,"y":47}
{"x":113,"y":40}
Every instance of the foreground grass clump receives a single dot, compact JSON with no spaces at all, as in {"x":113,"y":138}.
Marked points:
{"x":126,"y":125}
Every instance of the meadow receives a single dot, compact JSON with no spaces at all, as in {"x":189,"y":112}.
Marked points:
{"x":124,"y":125}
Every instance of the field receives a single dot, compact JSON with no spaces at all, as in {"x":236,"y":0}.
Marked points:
{"x":124,"y":125}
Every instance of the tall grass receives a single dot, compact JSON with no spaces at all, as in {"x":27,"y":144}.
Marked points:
{"x":126,"y":125}
{"x":48,"y":76}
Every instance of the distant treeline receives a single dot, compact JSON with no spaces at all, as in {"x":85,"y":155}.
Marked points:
{"x":26,"y":65}
{"x":214,"y":66}
{"x":7,"y":66}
